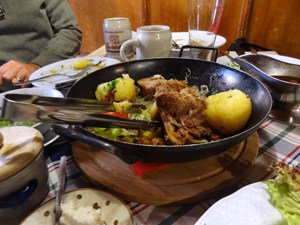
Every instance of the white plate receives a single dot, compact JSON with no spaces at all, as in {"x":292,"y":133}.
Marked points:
{"x":248,"y":206}
{"x":65,"y":67}
{"x":286,"y":59}
{"x":113,"y":210}
{"x":49,"y":92}
{"x":224,"y":60}
{"x":182,"y":38}
{"x":49,"y":135}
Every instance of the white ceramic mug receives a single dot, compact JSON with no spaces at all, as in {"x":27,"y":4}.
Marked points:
{"x":151,"y":41}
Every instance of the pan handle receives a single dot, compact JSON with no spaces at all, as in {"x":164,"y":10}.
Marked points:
{"x":70,"y":133}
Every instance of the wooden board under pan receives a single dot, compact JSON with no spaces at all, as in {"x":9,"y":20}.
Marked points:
{"x":171,"y":184}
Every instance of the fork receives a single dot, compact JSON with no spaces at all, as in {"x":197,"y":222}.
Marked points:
{"x":77,"y":75}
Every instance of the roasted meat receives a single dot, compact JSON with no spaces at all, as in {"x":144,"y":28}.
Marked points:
{"x":148,"y":85}
{"x":180,"y":108}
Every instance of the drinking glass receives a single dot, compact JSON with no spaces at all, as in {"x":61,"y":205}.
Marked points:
{"x":204,"y":17}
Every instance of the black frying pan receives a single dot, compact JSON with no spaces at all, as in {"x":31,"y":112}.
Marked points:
{"x":197,"y":72}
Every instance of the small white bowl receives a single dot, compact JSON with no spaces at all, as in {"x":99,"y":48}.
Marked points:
{"x":49,"y":135}
{"x":47,"y":92}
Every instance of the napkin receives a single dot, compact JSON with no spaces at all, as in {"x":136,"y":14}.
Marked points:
{"x":140,"y":168}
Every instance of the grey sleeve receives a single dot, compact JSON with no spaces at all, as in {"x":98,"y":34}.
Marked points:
{"x":67,"y":37}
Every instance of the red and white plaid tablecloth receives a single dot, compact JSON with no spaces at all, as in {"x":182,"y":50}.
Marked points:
{"x":278,"y":142}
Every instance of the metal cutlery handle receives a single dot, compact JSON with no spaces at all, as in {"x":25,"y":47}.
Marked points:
{"x":37,"y":79}
{"x":65,"y":84}
{"x":60,"y":188}
{"x":85,"y":112}
{"x":77,"y":75}
{"x":97,"y":120}
{"x":66,"y":103}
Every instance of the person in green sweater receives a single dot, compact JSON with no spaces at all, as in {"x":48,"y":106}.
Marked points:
{"x":35,"y":33}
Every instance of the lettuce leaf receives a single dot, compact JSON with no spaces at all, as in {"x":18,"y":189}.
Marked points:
{"x":285,"y":192}
{"x":9,"y":123}
{"x":118,"y":134}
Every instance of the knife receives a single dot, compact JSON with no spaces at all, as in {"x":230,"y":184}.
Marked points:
{"x":60,"y":188}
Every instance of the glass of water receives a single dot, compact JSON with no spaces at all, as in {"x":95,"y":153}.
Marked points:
{"x":204,"y":17}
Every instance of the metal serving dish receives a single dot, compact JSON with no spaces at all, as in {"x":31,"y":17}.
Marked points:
{"x":197,"y":72}
{"x":282,"y":78}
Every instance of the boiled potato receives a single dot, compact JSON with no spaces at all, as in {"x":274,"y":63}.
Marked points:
{"x":120,"y":89}
{"x":121,"y":107}
{"x":153,"y":111}
{"x":228,"y":112}
{"x":80,"y":64}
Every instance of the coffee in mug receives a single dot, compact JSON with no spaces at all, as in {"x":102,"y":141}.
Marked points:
{"x":151,"y":41}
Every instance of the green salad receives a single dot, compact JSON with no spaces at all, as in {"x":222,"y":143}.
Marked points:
{"x":121,"y":134}
{"x":233,"y":65}
{"x":285,"y":192}
{"x":9,"y":123}
{"x":131,"y":135}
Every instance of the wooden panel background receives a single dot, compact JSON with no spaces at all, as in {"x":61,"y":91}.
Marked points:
{"x":91,"y":13}
{"x":273,"y":24}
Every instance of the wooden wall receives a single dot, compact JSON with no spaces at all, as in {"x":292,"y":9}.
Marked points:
{"x":91,"y":13}
{"x":273,"y":24}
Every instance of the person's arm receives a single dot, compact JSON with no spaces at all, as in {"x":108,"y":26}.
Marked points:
{"x":65,"y":43}
{"x":67,"y":36}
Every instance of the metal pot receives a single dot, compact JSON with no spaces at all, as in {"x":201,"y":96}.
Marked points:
{"x":23,"y":173}
{"x":197,"y":72}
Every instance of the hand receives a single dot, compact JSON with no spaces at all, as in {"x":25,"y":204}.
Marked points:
{"x":14,"y":71}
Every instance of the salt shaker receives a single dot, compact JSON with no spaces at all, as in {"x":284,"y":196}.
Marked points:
{"x":116,"y":31}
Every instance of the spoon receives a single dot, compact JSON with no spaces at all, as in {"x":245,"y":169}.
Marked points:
{"x":60,"y":188}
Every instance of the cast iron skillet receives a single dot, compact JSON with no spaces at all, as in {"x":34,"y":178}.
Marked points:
{"x":217,"y":77}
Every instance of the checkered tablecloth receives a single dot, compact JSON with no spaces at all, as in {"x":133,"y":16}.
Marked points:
{"x":278,"y":142}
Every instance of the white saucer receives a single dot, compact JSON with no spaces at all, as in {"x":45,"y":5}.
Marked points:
{"x":182,"y":38}
{"x":112,"y":209}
